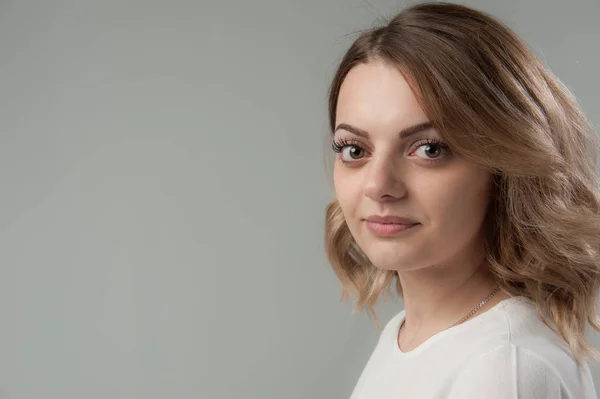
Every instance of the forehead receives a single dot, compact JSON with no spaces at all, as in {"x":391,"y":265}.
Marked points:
{"x":376,"y":95}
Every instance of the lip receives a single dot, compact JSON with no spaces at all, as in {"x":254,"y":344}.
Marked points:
{"x":390,"y":219}
{"x":388,"y":226}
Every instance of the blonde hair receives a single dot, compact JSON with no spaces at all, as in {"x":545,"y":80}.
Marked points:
{"x":498,"y":106}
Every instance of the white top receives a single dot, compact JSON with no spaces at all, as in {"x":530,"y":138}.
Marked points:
{"x":506,"y":352}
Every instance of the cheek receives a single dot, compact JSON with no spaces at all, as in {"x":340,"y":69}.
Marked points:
{"x":455,"y":202}
{"x":347,"y":190}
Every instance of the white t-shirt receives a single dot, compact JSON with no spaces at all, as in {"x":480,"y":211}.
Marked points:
{"x":506,"y":352}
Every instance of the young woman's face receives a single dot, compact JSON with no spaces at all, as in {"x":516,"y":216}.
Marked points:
{"x":391,"y":164}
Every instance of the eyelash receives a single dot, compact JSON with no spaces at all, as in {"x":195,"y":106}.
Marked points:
{"x":339,"y":144}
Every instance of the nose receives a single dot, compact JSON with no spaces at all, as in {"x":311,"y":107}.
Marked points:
{"x":384,"y":180}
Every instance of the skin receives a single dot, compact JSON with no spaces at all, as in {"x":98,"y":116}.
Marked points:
{"x":439,"y":261}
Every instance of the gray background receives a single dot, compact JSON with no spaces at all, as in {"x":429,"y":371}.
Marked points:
{"x":163,"y":192}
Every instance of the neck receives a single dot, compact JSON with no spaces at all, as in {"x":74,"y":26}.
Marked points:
{"x":437,"y":297}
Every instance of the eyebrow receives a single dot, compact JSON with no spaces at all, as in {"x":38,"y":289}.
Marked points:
{"x":404,"y":133}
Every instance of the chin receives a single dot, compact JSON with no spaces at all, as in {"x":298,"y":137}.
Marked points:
{"x":390,"y":255}
{"x":391,"y":265}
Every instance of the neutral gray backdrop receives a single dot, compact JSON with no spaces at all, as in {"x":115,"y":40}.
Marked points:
{"x":163,"y":192}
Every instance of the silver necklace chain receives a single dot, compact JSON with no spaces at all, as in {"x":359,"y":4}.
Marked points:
{"x":472,"y":312}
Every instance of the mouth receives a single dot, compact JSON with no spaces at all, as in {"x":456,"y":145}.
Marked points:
{"x":382,"y":229}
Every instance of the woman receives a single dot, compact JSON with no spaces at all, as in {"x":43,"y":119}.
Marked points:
{"x":465,"y":176}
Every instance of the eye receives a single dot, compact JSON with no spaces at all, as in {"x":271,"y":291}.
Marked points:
{"x":431,"y":149}
{"x":349,"y":150}
{"x":352,"y":152}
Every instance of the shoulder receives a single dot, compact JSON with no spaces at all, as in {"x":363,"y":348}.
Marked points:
{"x":533,"y":338}
{"x":507,"y":372}
{"x":527,"y":360}
{"x":391,"y":327}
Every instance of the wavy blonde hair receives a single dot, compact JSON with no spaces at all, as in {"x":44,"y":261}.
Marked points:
{"x":498,"y":106}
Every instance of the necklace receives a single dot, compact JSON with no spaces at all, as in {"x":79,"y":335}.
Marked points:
{"x":472,"y":312}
